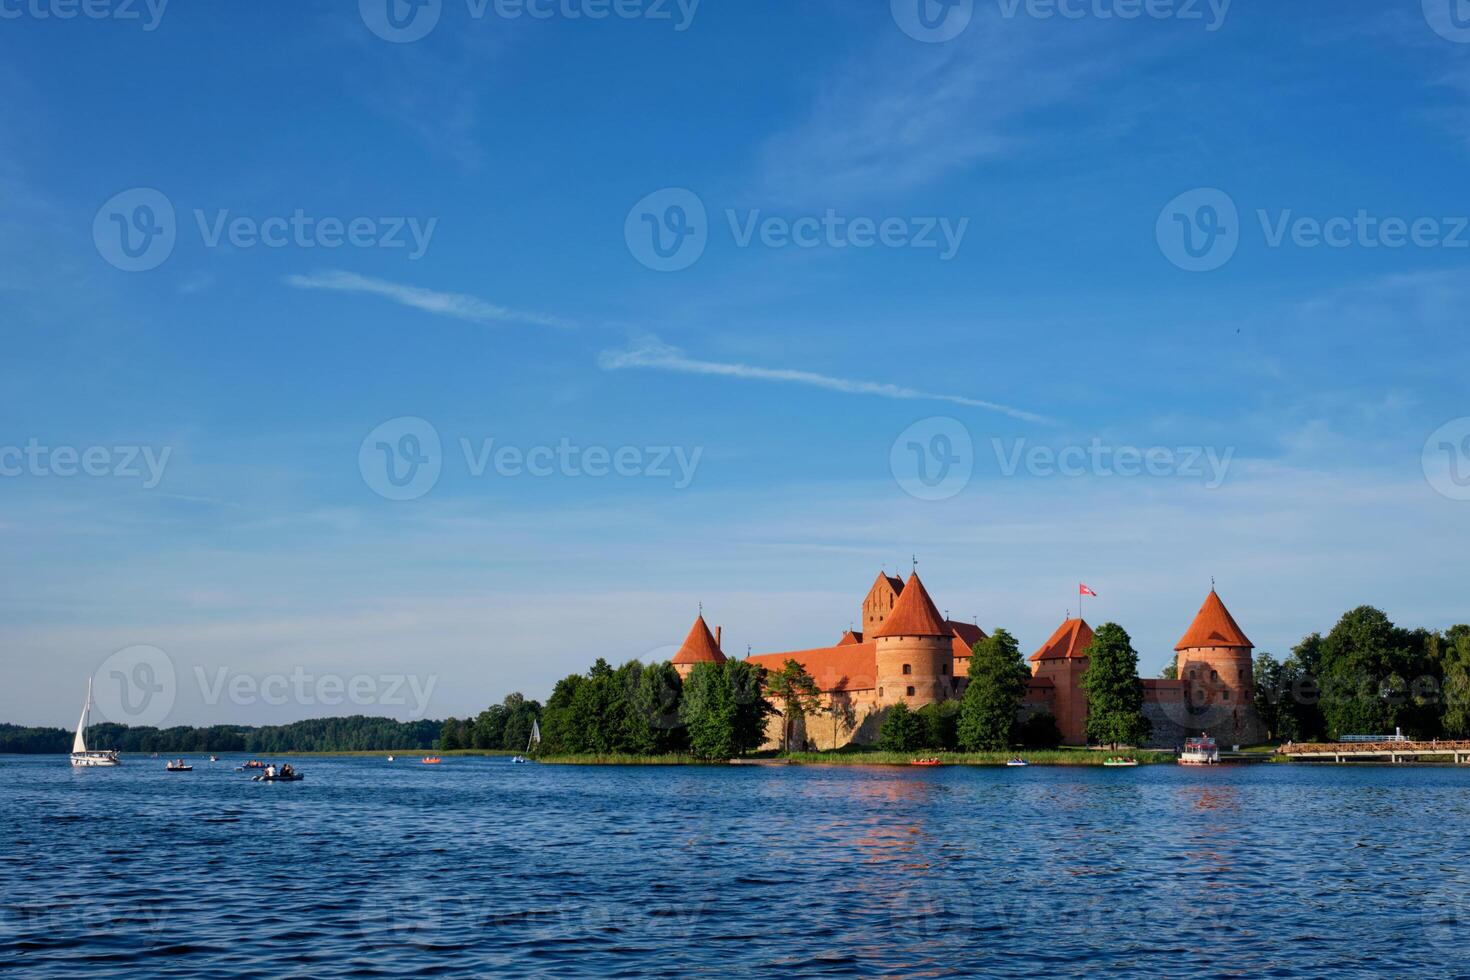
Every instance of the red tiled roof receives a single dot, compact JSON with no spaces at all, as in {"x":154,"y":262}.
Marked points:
{"x":851,"y":667}
{"x":914,"y":614}
{"x":849,"y":638}
{"x":966,"y":635}
{"x":1213,"y":626}
{"x":699,"y":646}
{"x":1069,"y":642}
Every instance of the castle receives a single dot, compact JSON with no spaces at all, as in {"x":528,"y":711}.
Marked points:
{"x":908,"y":652}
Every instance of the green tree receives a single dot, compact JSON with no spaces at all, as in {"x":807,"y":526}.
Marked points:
{"x":560,"y":732}
{"x":1364,"y":660}
{"x":1171,"y":670}
{"x":1456,"y":717}
{"x":997,"y":682}
{"x":902,"y":730}
{"x":489,"y":728}
{"x":1040,"y":731}
{"x":1270,"y":676}
{"x":941,"y":725}
{"x":450,"y":737}
{"x":1114,"y":692}
{"x":657,"y":700}
{"x":724,"y":709}
{"x":796,"y":692}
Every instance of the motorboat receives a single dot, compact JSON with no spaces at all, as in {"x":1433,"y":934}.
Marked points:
{"x":81,"y":756}
{"x":1200,"y":751}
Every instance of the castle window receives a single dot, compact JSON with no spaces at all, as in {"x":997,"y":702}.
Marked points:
{"x":880,"y":692}
{"x":1225,"y":695}
{"x":1214,"y":675}
{"x":908,"y":669}
{"x":944,"y":668}
{"x":1191,"y":674}
{"x":911,"y":692}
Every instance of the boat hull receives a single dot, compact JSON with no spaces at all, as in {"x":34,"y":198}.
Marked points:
{"x":90,"y":760}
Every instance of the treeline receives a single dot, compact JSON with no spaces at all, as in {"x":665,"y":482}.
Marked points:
{"x":1368,"y":676}
{"x":505,"y":726}
{"x":644,"y":709}
{"x":357,"y":733}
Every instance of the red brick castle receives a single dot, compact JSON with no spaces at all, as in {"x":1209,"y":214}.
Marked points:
{"x":908,"y":652}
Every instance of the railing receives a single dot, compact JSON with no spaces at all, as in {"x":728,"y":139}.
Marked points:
{"x":1397,"y":737}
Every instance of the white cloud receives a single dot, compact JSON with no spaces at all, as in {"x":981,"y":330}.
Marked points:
{"x":649,"y":352}
{"x":458,"y":305}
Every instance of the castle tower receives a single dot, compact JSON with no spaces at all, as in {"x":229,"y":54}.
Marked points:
{"x":1214,"y":660}
{"x":699,"y":647}
{"x":914,"y":649}
{"x":1063,"y":660}
{"x":881,"y":600}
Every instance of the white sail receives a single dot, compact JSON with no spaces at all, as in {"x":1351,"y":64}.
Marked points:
{"x":535,"y":735}
{"x":79,"y":744}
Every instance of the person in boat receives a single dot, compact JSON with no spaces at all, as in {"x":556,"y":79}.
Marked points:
{"x":286,"y":770}
{"x":270,"y":772}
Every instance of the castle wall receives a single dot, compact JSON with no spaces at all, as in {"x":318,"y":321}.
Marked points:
{"x":1069,"y":703}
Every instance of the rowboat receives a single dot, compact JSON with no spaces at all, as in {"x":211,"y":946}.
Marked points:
{"x":1118,"y":763}
{"x":924,"y":762}
{"x":1017,"y":762}
{"x":431,"y":760}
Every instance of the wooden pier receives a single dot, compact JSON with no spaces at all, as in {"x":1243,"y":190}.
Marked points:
{"x":1390,"y":750}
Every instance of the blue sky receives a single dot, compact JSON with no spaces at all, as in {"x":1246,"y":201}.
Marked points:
{"x":1066,"y":156}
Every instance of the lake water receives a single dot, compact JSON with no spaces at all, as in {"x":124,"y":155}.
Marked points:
{"x":479,"y":867}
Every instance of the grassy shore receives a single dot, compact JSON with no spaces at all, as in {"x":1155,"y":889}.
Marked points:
{"x":400,"y":753}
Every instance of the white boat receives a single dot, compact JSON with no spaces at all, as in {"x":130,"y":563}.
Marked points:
{"x":81,"y":756}
{"x":1199,"y":752}
{"x":1016,"y":763}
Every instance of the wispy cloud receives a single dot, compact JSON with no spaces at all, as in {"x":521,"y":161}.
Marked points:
{"x":903,"y":114}
{"x":650,"y":352}
{"x":458,"y":305}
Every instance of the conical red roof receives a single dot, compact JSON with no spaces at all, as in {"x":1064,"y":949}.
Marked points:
{"x":1213,"y":626}
{"x":699,"y":646}
{"x":1069,"y":642}
{"x":913,"y":614}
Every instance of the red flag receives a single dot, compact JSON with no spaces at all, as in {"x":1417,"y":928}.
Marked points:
{"x":1084,"y":590}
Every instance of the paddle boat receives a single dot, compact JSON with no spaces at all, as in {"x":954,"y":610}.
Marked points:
{"x":178,"y":765}
{"x":1120,"y":762}
{"x":391,"y":759}
{"x":1017,"y":762}
{"x":924,"y":762}
{"x":519,"y":760}
{"x":214,"y":758}
{"x":431,"y":760}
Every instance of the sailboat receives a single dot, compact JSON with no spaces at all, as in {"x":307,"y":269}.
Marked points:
{"x":535,"y":739}
{"x":80,"y":756}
